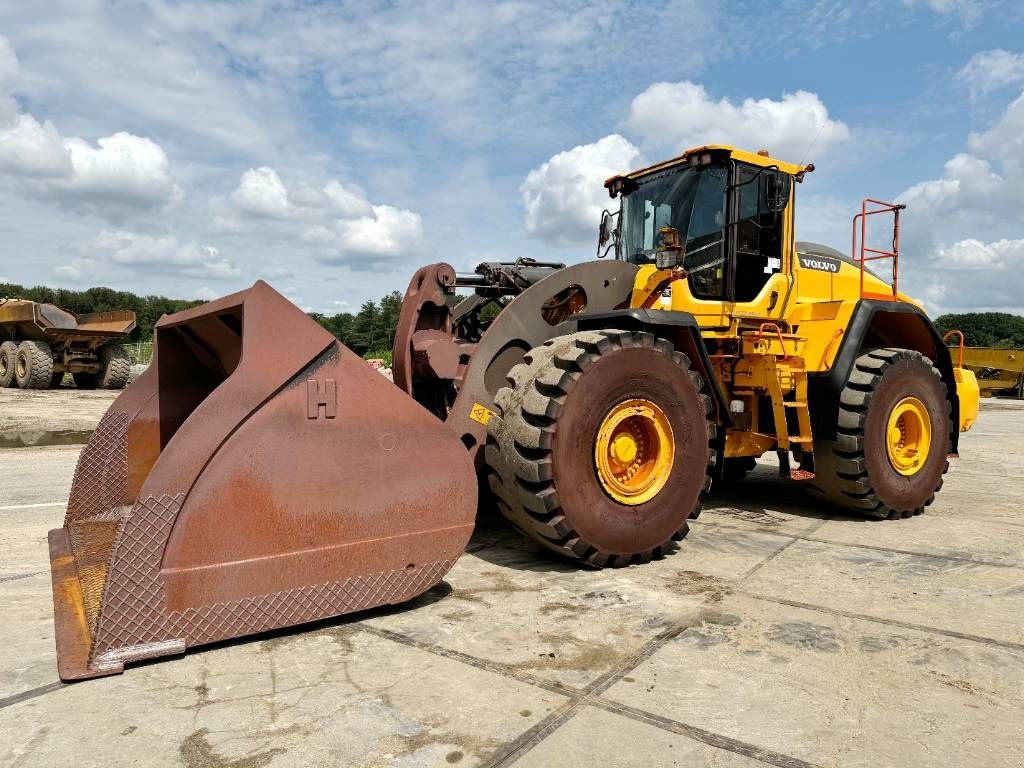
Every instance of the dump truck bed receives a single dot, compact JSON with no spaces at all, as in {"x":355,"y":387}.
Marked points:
{"x":21,"y":320}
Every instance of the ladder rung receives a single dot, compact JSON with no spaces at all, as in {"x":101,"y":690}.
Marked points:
{"x":801,"y":439}
{"x":795,"y":404}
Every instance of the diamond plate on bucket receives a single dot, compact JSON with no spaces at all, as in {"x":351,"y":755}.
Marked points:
{"x":297,"y":606}
{"x":133,"y":610}
{"x":101,"y":473}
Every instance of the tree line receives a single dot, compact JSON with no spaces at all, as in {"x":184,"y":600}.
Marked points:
{"x":371,"y":331}
{"x":985,"y":329}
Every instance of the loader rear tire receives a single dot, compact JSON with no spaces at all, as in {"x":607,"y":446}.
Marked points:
{"x":8,"y":352}
{"x":543,"y":447}
{"x":117,"y":367}
{"x":33,"y":366}
{"x":861,"y":469}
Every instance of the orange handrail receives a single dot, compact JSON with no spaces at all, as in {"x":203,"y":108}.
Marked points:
{"x":960,"y":363}
{"x":828,"y":347}
{"x":876,"y":207}
{"x":778,"y":332}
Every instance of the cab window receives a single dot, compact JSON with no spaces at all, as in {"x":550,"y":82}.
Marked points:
{"x":705,"y":237}
{"x":761,"y":193}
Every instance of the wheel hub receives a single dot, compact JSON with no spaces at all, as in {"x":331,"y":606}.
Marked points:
{"x":908,"y":436}
{"x":634,"y":451}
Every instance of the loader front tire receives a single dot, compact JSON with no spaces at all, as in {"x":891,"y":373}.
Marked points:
{"x":893,"y":438}
{"x":574,"y":402}
{"x":8,"y":353}
{"x":33,"y":365}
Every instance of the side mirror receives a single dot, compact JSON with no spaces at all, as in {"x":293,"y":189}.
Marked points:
{"x":777,"y":188}
{"x":604,"y":232}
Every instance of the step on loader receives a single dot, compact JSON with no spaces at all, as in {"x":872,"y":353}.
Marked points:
{"x":260,"y":475}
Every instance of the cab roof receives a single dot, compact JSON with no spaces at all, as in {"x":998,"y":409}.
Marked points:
{"x":764,"y":161}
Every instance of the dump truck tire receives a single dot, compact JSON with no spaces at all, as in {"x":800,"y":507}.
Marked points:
{"x":860,"y":469}
{"x":117,"y":367}
{"x":542,"y":445}
{"x":33,"y":365}
{"x":8,"y":353}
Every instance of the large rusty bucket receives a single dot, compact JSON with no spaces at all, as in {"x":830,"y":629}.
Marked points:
{"x":258,"y":475}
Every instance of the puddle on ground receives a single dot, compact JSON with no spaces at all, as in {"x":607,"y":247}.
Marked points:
{"x":37,"y":439}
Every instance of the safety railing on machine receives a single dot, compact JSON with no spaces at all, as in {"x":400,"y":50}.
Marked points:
{"x":863,"y":254}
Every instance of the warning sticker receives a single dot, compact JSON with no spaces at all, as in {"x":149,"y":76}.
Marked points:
{"x":481,"y":413}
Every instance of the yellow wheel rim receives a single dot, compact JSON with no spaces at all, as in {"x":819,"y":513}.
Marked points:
{"x":634,"y":451}
{"x":908,"y":436}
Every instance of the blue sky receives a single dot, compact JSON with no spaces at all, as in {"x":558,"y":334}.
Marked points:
{"x":191,"y":148}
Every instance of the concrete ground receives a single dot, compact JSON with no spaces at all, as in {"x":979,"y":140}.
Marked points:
{"x":50,"y":416}
{"x":782,"y":632}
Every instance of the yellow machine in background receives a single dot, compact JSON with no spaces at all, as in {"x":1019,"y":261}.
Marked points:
{"x":998,"y":370}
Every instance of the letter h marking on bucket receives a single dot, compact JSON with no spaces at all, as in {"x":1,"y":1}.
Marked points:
{"x":321,"y":395}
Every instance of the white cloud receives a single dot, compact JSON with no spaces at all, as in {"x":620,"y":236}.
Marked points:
{"x":962,"y":237}
{"x":121,"y":169}
{"x":966,"y":11}
{"x":387,"y":231}
{"x":973,"y":254}
{"x":165,"y":254}
{"x":336,"y":219}
{"x":9,"y":67}
{"x":347,"y":202}
{"x":80,"y":269}
{"x":973,"y":275}
{"x":564,"y":197}
{"x":261,"y":193}
{"x":1004,"y":144}
{"x":981,"y":190}
{"x":989,"y":71}
{"x":683,"y":115}
{"x":966,"y":181}
{"x":205,"y":293}
{"x":32,"y":149}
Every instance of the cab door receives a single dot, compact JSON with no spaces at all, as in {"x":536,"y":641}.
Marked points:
{"x":760,"y":242}
{"x":738,"y":247}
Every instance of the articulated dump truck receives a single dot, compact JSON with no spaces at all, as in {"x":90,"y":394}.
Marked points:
{"x":260,"y":475}
{"x":39,"y":343}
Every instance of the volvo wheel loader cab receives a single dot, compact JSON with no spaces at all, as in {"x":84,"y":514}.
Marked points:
{"x":260,"y":475}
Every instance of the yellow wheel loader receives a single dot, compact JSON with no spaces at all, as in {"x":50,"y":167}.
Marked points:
{"x":260,"y":475}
